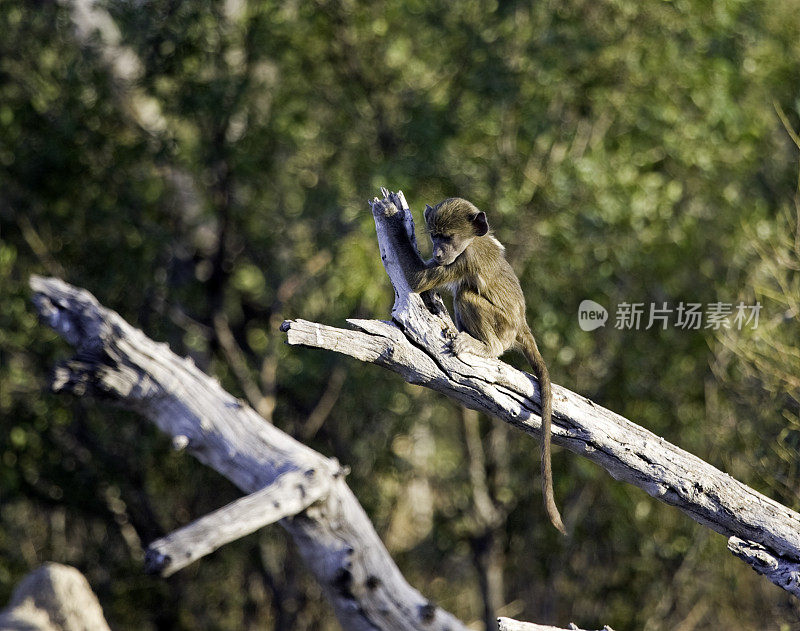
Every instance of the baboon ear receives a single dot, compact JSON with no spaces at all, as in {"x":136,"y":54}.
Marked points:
{"x":479,"y":224}
{"x":428,"y":210}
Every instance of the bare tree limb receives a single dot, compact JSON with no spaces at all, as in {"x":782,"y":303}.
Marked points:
{"x":509,"y":624}
{"x":290,"y":494}
{"x":334,"y":536}
{"x":416,"y":346}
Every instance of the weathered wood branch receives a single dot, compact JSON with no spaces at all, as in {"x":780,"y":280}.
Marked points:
{"x":291,"y":493}
{"x":117,"y":362}
{"x":509,"y":624}
{"x":780,"y":570}
{"x":416,"y":345}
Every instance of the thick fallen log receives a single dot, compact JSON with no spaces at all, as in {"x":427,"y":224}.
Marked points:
{"x":416,"y":345}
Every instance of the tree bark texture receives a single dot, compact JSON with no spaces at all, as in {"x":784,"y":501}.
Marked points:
{"x":509,"y":624}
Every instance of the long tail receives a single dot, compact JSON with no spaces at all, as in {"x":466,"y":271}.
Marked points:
{"x":531,"y":352}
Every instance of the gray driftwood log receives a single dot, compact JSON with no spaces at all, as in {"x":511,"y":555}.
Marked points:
{"x":117,"y":362}
{"x":416,"y":346}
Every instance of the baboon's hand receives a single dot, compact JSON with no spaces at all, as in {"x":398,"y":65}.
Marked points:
{"x":383,"y":208}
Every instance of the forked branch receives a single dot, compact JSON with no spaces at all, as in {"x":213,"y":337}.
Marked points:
{"x":117,"y":362}
{"x":417,"y":346}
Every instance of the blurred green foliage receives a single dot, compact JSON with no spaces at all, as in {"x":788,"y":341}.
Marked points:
{"x":203,"y":169}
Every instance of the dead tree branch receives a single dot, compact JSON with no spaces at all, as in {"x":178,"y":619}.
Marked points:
{"x":289,"y":495}
{"x":416,"y":345}
{"x":509,"y":624}
{"x":117,"y":362}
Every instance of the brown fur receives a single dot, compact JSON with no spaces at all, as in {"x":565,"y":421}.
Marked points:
{"x":488,"y":302}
